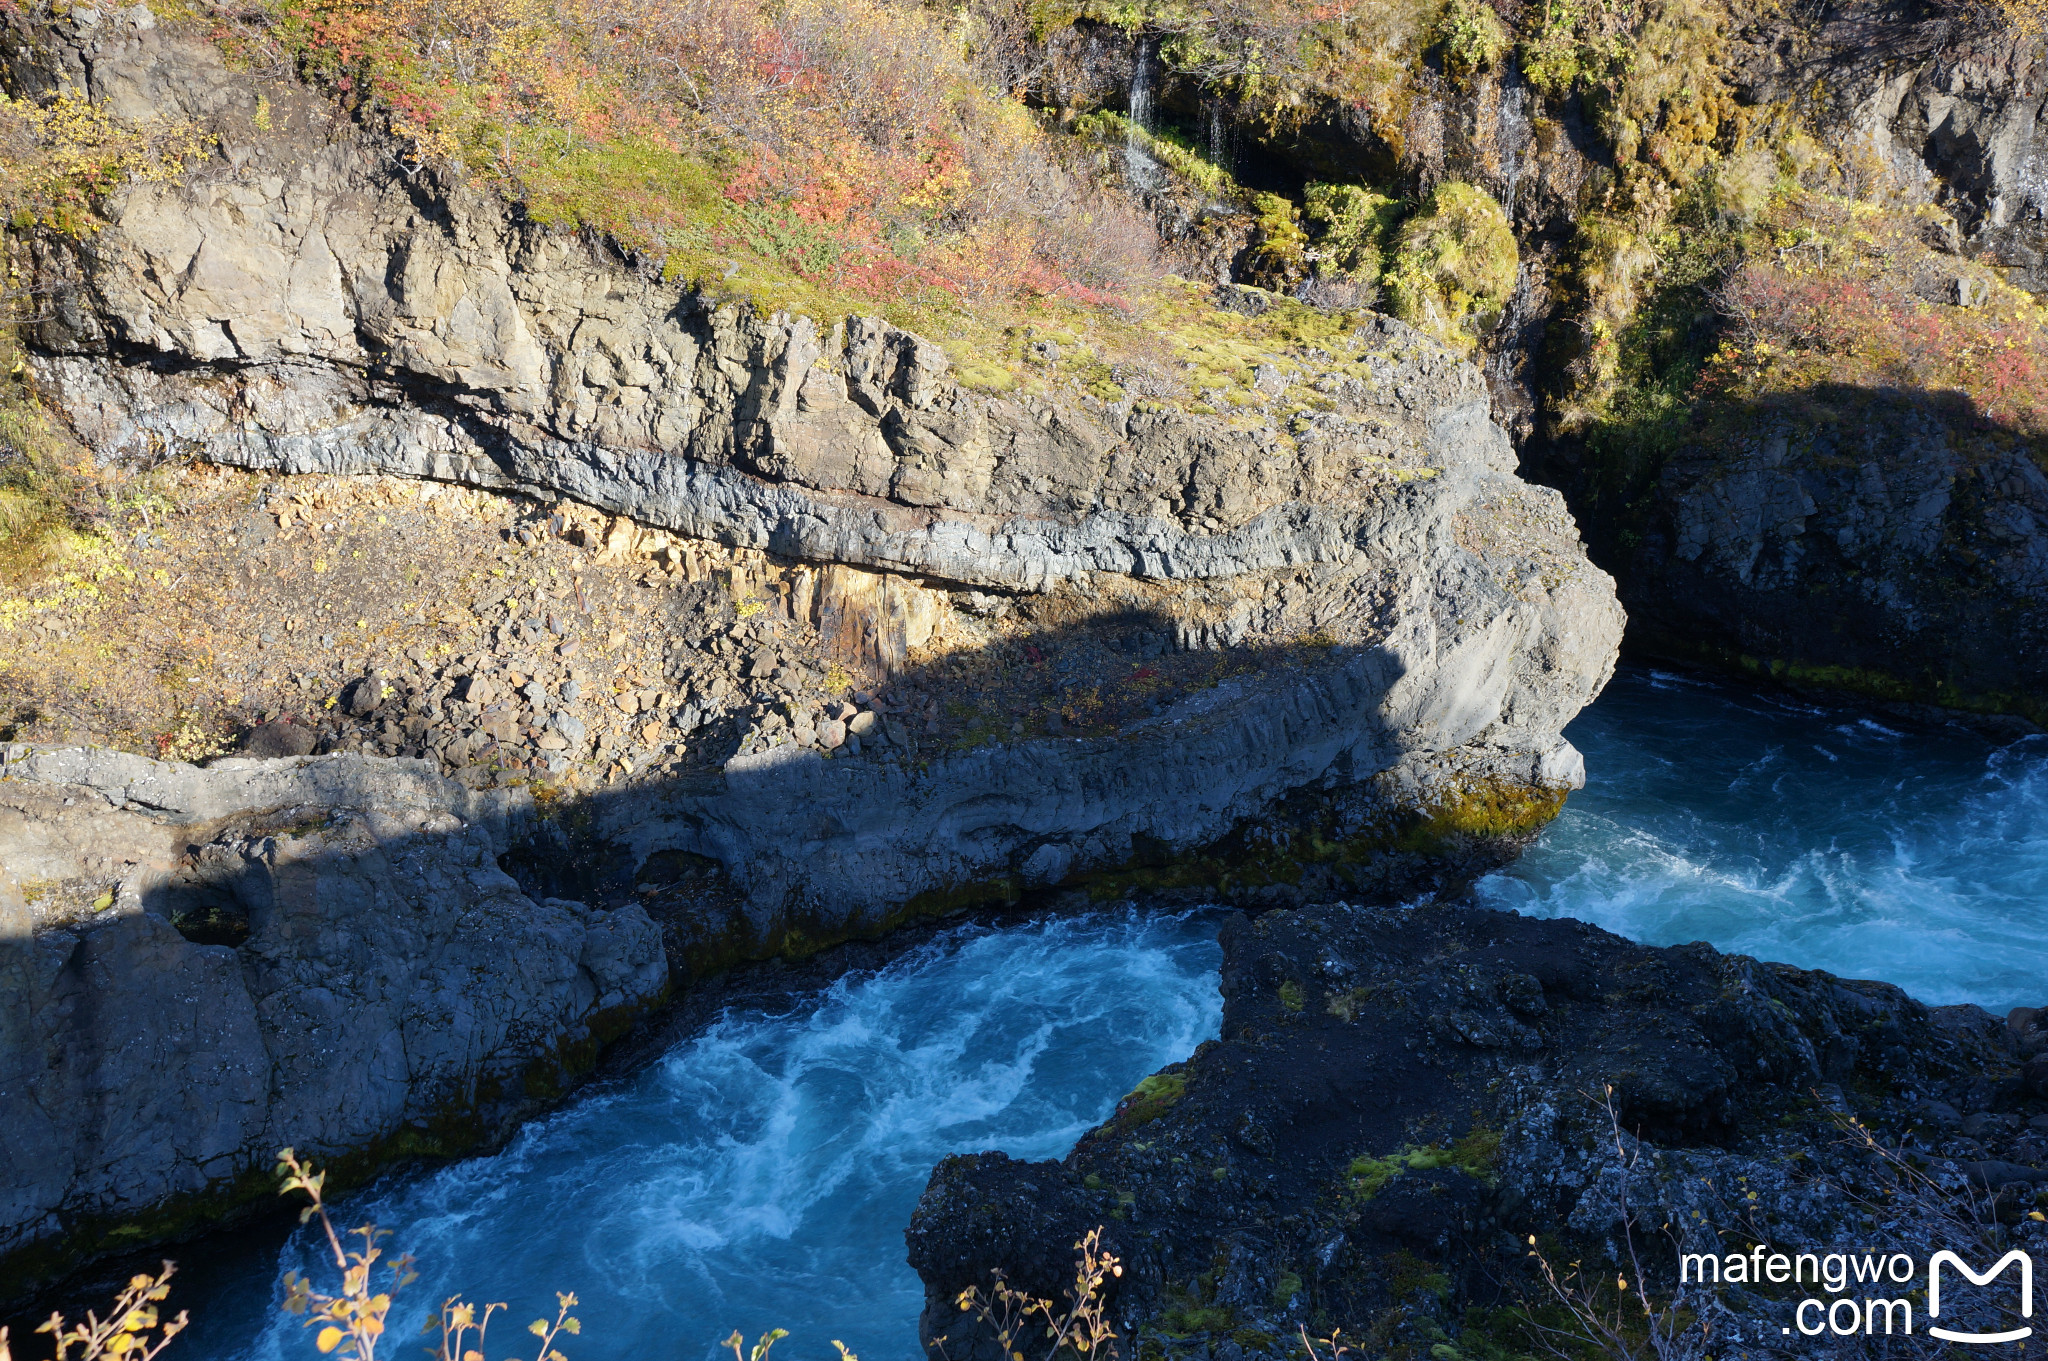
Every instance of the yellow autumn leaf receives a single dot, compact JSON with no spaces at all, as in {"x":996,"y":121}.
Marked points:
{"x":329,"y":1339}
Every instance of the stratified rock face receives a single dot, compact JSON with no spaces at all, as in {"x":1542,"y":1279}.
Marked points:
{"x":1898,"y":550}
{"x":376,"y":979}
{"x":1401,"y":1098}
{"x":314,"y":311}
{"x":1416,"y":625}
{"x":1415,"y":619}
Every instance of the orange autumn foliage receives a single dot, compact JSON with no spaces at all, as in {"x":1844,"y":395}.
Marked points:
{"x":850,"y":145}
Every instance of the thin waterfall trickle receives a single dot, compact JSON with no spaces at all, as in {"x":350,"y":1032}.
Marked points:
{"x":1144,"y":174}
{"x":1219,"y":139}
{"x":1512,"y":137}
{"x":1141,"y":88}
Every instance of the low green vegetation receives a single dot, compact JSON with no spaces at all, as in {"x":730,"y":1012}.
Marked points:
{"x":59,"y":156}
{"x":1454,"y":266}
{"x":1352,"y":225}
{"x":1475,"y":1154}
{"x":1473,"y":38}
{"x":1172,"y":149}
{"x":1149,"y":1100}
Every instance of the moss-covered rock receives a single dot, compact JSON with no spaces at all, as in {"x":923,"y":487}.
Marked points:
{"x":1454,"y":266}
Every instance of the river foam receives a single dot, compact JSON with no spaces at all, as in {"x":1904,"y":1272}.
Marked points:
{"x":761,"y":1173}
{"x":1823,"y":837}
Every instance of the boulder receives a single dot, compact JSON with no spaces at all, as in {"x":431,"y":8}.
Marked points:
{"x":278,"y":738}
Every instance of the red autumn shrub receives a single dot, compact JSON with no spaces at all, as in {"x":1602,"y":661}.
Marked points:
{"x":1830,"y":293}
{"x":844,"y":146}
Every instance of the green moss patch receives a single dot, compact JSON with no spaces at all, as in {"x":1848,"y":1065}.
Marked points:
{"x":1454,"y":266}
{"x":1476,"y":1154}
{"x":1146,"y":1102}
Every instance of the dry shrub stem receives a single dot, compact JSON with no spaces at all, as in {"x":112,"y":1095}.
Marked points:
{"x":1629,"y":1324}
{"x":132,"y":1330}
{"x":353,"y":1322}
{"x":1080,"y":1331}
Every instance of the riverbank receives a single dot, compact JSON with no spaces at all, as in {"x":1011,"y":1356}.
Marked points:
{"x":1407,"y":1106}
{"x":1647,"y":817}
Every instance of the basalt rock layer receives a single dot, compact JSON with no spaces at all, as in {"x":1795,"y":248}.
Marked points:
{"x":1897,"y":550}
{"x":305,"y":307}
{"x":1401,"y":1099}
{"x":318,"y":951}
{"x":1417,"y":623}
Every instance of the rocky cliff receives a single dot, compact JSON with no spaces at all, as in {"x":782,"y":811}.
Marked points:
{"x":1351,"y":638}
{"x":199,"y":967}
{"x":1409,"y":612}
{"x":1867,"y":515}
{"x":1403,"y":1103}
{"x":1895,"y":548}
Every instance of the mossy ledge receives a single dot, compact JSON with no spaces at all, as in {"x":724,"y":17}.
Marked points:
{"x":1302,"y":850}
{"x":1313,"y":843}
{"x":1833,"y":681}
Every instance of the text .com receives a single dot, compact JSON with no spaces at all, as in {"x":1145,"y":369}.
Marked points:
{"x":1869,"y":1291}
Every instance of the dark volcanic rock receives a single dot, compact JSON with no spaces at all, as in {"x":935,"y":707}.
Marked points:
{"x":279,"y":738}
{"x":1401,"y":1097}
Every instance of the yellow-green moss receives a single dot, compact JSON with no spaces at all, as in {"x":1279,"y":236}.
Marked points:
{"x":1454,"y":266}
{"x":1472,"y":37}
{"x":1146,"y":1102}
{"x":1483,"y":809}
{"x":1477,"y":1155}
{"x":1464,"y":824}
{"x":1278,"y":255}
{"x":1350,"y":223}
{"x":1113,"y":132}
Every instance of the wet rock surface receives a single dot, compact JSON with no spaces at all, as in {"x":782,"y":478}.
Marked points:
{"x":1402,"y":1097}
